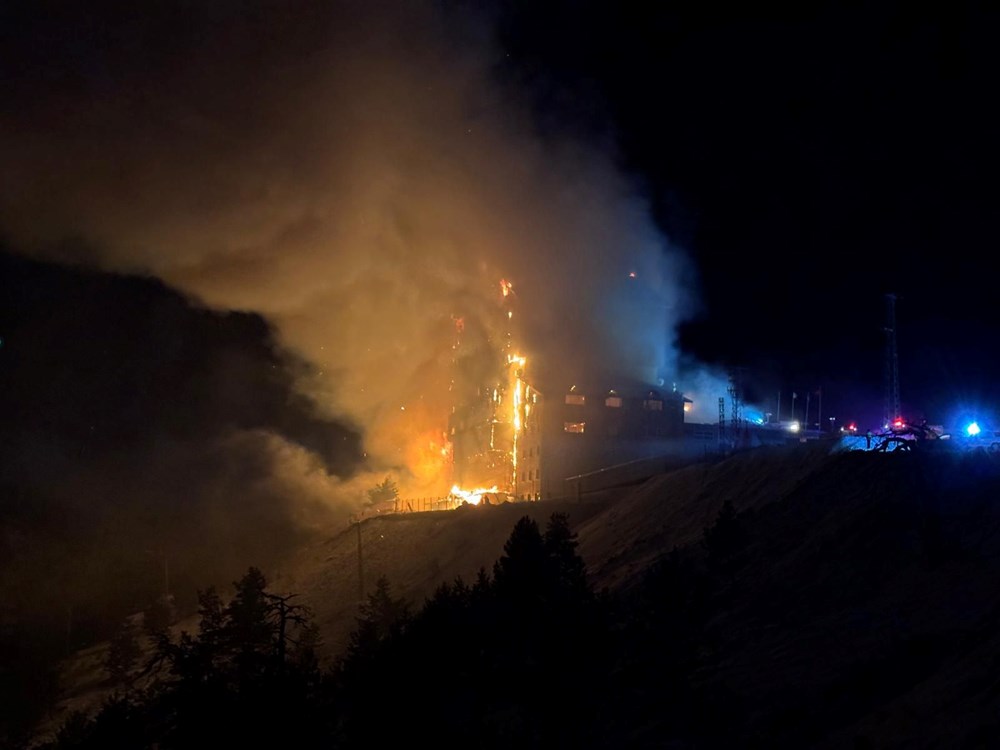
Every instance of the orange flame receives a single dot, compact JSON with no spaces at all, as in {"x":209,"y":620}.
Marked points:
{"x":474,"y":496}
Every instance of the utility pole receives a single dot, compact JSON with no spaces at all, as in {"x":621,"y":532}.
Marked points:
{"x":891,"y":409}
{"x":361,"y":576}
{"x":69,"y":628}
{"x":736,"y":396}
{"x":777,"y":414}
{"x":722,"y":420}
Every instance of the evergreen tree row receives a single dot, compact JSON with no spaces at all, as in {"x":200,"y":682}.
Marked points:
{"x":527,"y":655}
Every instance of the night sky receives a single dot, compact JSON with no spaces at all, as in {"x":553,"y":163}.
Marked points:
{"x":812,"y":157}
{"x":809,"y":159}
{"x":326,"y":187}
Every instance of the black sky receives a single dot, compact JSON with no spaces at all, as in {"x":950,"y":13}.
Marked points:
{"x":812,"y":157}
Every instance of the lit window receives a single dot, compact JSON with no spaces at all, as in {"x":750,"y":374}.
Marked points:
{"x":615,"y":402}
{"x":576,"y":427}
{"x":576,"y":399}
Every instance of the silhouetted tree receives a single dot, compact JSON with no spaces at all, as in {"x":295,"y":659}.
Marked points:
{"x":568,"y":569}
{"x":211,"y":614}
{"x":75,"y":731}
{"x":29,"y":681}
{"x":381,"y":616}
{"x":304,"y":653}
{"x":384,"y":491}
{"x":158,"y":615}
{"x":286,"y":618}
{"x":123,"y":653}
{"x":249,"y":677}
{"x":521,"y":569}
{"x":249,"y":626}
{"x":122,"y":723}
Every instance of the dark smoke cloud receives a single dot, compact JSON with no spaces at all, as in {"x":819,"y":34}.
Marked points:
{"x":349,"y":172}
{"x":138,"y":428}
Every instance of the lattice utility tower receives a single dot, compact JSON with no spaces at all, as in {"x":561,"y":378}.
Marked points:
{"x":722,"y":419}
{"x":736,"y":396}
{"x":891,"y":409}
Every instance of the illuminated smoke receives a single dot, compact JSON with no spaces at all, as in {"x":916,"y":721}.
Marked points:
{"x":356,"y":178}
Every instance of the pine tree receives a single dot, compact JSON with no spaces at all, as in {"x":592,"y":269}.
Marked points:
{"x":123,"y":654}
{"x":384,"y":491}
{"x":567,"y":568}
{"x":522,"y":565}
{"x":383,"y":610}
{"x":249,"y":627}
{"x":304,"y":654}
{"x":211,"y":612}
{"x":158,"y":615}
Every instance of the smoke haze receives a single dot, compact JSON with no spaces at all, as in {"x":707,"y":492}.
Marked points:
{"x":354,"y":176}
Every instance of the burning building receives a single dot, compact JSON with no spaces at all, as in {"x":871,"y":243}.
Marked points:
{"x":509,"y":440}
{"x":590,"y":428}
{"x":495,"y":422}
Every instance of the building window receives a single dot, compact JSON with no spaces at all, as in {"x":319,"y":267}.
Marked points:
{"x":576,"y":399}
{"x":652,"y":404}
{"x":536,"y":474}
{"x":614,"y":402}
{"x":576,"y":427}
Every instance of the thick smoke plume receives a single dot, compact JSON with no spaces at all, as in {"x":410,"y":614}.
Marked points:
{"x":148,"y":443}
{"x":353,"y":175}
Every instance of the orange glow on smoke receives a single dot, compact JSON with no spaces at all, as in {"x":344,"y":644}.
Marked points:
{"x":428,"y":458}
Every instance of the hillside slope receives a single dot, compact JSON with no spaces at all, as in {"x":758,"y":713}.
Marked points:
{"x":863,"y":610}
{"x":621,"y":531}
{"x":415,"y":552}
{"x":867,"y":607}
{"x":859,"y":607}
